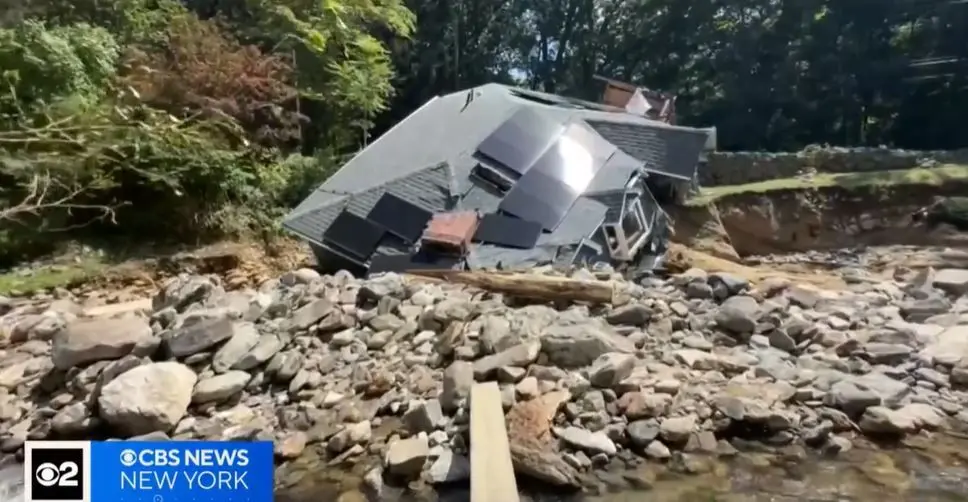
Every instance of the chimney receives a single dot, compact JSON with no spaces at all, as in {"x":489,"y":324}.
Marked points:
{"x":639,"y":100}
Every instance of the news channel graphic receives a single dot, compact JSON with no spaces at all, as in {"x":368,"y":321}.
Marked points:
{"x":148,"y":471}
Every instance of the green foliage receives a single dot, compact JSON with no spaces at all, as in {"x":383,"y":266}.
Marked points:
{"x":184,"y":138}
{"x":44,"y":66}
{"x":341,"y":63}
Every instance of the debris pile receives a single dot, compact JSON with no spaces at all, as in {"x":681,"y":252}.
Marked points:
{"x":379,"y":370}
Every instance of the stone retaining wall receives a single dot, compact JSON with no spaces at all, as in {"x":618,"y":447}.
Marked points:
{"x":737,"y":168}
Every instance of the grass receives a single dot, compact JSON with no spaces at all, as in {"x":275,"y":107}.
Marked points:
{"x":49,"y":276}
{"x":923,"y":176}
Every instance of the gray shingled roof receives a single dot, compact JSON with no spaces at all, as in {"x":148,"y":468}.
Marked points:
{"x":427,"y":159}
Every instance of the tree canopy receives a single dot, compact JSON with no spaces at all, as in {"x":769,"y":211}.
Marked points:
{"x":210,"y":117}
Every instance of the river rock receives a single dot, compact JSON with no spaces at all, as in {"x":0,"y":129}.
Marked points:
{"x":149,"y":398}
{"x":610,"y":369}
{"x":406,"y":457}
{"x":220,"y":387}
{"x":88,"y":340}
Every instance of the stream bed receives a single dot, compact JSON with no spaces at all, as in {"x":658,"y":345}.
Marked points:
{"x":923,"y":470}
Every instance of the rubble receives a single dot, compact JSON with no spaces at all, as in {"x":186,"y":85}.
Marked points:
{"x":658,"y":372}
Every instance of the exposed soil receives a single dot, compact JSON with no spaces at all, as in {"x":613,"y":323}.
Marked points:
{"x":719,"y":236}
{"x":798,"y":220}
{"x":239,"y":264}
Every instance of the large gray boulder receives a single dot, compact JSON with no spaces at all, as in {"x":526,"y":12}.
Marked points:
{"x":85,"y":341}
{"x":149,"y":398}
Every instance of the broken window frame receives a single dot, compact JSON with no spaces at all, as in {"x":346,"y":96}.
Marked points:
{"x":622,"y":246}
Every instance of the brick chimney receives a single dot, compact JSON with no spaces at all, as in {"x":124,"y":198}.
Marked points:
{"x":639,"y":100}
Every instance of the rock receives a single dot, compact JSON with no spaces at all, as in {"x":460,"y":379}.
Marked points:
{"x":634,"y":314}
{"x":781,"y":340}
{"x":88,"y":340}
{"x":243,"y":340}
{"x":733,"y":284}
{"x":406,"y":457}
{"x":300,"y":276}
{"x":458,"y":380}
{"x":519,"y":355}
{"x":264,"y":349}
{"x":738,"y":315}
{"x":449,"y":468}
{"x":575,"y":346}
{"x":637,"y":405}
{"x":677,"y":429}
{"x":424,"y":416}
{"x":949,"y":347}
{"x":528,"y":388}
{"x":657,"y":450}
{"x":643,"y":432}
{"x":184,"y":290}
{"x":73,"y":419}
{"x":591,"y":442}
{"x":907,"y":419}
{"x":545,"y":466}
{"x":221,"y":387}
{"x":953,"y":281}
{"x":355,"y":434}
{"x":291,"y":446}
{"x":199,"y":336}
{"x":610,"y":369}
{"x":149,"y":398}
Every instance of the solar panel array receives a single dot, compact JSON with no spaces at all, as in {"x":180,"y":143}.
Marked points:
{"x":545,"y":167}
{"x":556,"y":164}
{"x":392,"y":219}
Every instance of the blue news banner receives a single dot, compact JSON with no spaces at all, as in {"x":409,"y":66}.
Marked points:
{"x":148,"y":471}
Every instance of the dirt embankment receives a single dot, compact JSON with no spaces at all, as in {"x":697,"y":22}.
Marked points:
{"x":797,"y":220}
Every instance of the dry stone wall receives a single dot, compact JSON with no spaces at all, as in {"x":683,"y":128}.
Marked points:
{"x":737,"y":168}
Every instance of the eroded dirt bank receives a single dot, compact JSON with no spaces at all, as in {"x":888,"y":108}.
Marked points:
{"x":788,"y":221}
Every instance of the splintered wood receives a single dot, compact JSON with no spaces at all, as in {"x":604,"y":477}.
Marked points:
{"x":538,"y":287}
{"x":492,"y":475}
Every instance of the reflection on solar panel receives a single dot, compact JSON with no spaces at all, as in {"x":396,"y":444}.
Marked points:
{"x":519,"y":141}
{"x":354,"y":235}
{"x":508,"y":231}
{"x":418,"y":261}
{"x":399,"y":217}
{"x":539,"y":198}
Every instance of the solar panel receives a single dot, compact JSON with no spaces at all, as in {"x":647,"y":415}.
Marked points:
{"x":388,"y":263}
{"x":399,"y":217}
{"x":354,"y":235}
{"x":507,"y":231}
{"x":539,"y":198}
{"x":520,"y":140}
{"x":433,"y":261}
{"x":575,"y":157}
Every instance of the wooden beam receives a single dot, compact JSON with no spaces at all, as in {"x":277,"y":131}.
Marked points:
{"x":492,"y":474}
{"x":537,"y":287}
{"x":114,"y":309}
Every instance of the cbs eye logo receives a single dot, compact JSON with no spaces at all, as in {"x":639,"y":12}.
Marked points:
{"x":65,"y":474}
{"x":55,"y":475}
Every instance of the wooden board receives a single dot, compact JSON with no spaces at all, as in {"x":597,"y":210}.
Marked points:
{"x":492,"y":475}
{"x":118,"y":308}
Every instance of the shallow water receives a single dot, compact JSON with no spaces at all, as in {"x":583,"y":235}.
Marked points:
{"x":923,"y":470}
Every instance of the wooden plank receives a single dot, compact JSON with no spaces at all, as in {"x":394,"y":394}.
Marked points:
{"x":118,"y":308}
{"x":492,"y":474}
{"x":528,"y":285}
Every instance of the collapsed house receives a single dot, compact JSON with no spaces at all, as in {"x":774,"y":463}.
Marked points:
{"x":501,"y":177}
